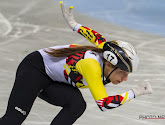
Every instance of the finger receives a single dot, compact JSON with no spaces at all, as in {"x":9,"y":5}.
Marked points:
{"x":62,"y":7}
{"x":71,"y":10}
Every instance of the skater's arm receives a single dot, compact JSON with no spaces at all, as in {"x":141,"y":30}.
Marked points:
{"x":91,"y":71}
{"x":95,"y":38}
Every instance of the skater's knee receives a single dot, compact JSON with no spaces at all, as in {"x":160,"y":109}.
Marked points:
{"x":77,"y":105}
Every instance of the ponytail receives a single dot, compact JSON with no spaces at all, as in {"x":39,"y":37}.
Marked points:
{"x":70,"y":51}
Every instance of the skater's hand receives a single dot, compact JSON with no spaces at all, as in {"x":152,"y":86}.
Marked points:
{"x":142,"y":89}
{"x":68,"y":16}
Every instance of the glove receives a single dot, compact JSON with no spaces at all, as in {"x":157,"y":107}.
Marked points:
{"x":142,"y":89}
{"x":68,"y":16}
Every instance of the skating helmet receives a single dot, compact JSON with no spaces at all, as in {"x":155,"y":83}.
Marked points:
{"x":122,"y":55}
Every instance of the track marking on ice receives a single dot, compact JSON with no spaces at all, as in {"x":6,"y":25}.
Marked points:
{"x":7,"y":23}
{"x":25,"y":9}
{"x":13,"y":39}
{"x":149,"y":42}
{"x":17,"y":36}
{"x":47,"y":29}
{"x":36,"y":27}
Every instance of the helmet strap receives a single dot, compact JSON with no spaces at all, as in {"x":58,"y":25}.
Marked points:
{"x":107,"y":80}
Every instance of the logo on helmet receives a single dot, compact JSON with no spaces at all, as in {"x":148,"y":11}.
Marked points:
{"x":111,"y":57}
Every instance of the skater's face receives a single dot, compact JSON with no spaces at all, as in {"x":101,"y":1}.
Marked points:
{"x":117,"y":76}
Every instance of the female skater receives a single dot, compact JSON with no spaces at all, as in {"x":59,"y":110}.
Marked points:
{"x":55,"y":75}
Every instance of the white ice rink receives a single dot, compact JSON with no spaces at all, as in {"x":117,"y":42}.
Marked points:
{"x":28,"y":25}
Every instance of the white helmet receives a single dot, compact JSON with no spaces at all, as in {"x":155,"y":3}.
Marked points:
{"x":122,"y":55}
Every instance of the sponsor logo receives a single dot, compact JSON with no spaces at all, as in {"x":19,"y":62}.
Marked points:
{"x":20,"y":110}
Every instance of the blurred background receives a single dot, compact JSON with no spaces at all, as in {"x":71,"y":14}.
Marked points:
{"x":143,"y":15}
